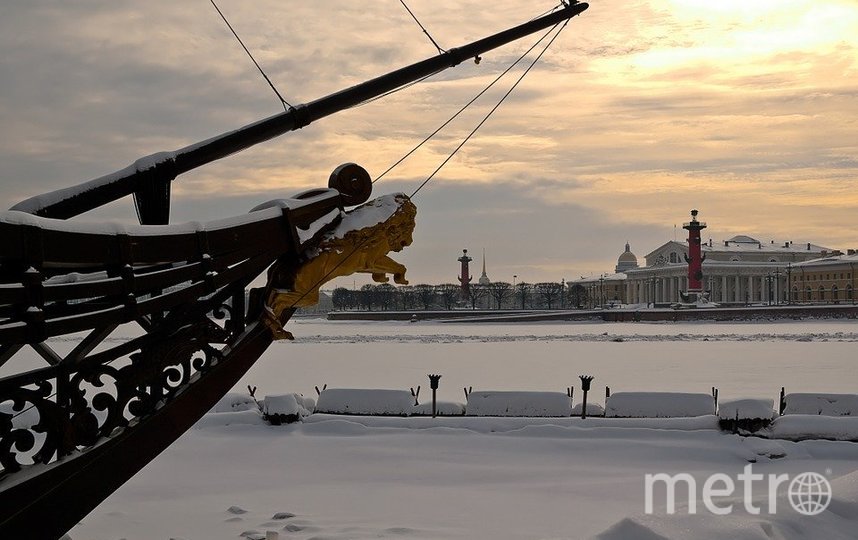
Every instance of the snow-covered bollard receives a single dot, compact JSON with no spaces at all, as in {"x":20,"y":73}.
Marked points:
{"x":442,"y":408}
{"x":371,"y":402}
{"x":748,"y":415}
{"x":518,"y":404}
{"x":593,"y":409}
{"x":286,"y":408}
{"x":658,"y":405}
{"x":821,"y":404}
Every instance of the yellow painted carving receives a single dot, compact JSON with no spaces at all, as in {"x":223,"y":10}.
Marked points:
{"x":361,"y":250}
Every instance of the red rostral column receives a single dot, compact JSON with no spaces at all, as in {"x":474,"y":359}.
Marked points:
{"x":465,"y":278}
{"x":694,"y":257}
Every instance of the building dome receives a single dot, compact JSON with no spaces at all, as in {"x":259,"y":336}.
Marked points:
{"x":627,"y":260}
{"x":742,"y":239}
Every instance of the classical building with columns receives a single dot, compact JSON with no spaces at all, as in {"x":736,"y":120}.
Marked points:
{"x":738,"y":271}
{"x":741,"y":270}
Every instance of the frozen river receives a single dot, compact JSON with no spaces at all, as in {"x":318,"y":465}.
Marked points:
{"x":753,"y":359}
{"x":233,"y":476}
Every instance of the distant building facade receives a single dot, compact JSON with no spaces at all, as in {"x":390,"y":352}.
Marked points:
{"x":827,"y":279}
{"x":741,"y":270}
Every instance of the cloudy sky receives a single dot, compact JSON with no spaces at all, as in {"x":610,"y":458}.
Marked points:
{"x":640,"y":111}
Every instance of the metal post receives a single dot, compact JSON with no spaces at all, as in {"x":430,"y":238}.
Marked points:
{"x":585,"y":387}
{"x":782,"y":404}
{"x":777,"y":281}
{"x":789,"y":283}
{"x":433,"y":384}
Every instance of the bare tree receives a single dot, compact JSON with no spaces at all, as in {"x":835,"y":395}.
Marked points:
{"x":549,"y":292}
{"x":405,"y":295}
{"x":367,"y":296}
{"x":425,"y":295}
{"x":478,"y":292}
{"x":577,"y":295}
{"x":500,"y":291}
{"x":448,"y":293}
{"x":385,"y":295}
{"x":342,"y":298}
{"x":522,"y":293}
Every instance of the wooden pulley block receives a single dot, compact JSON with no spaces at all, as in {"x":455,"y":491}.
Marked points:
{"x":353,"y":183}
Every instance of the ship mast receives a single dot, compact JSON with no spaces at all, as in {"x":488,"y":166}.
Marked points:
{"x":149,"y":178}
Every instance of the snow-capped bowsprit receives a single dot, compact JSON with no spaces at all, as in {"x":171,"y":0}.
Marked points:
{"x":71,"y":433}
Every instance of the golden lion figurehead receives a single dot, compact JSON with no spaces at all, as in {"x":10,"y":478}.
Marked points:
{"x":360,"y":243}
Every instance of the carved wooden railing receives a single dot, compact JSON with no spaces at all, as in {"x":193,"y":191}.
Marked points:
{"x":184,"y":286}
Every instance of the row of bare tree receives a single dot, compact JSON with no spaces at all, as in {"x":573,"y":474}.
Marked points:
{"x":447,"y":296}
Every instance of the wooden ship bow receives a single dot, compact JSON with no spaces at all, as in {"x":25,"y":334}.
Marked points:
{"x":76,"y":429}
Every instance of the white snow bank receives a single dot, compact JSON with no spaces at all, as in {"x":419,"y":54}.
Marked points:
{"x":504,"y":425}
{"x":288,"y":405}
{"x":798,"y":427}
{"x":492,"y":403}
{"x":443,"y":408}
{"x":365,"y":401}
{"x":233,"y":402}
{"x":824,"y":404}
{"x":593,"y":409}
{"x":747,"y":409}
{"x":658,"y":405}
{"x":248,"y":417}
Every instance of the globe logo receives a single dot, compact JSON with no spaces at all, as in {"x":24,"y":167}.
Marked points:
{"x":809,"y":493}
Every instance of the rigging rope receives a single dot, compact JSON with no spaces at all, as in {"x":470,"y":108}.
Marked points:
{"x":552,"y":10}
{"x":468,"y":104}
{"x":286,"y":104}
{"x":483,"y":121}
{"x":440,"y":50}
{"x":489,"y":114}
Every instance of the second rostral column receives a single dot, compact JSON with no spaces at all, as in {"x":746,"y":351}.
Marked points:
{"x":694,"y":258}
{"x":465,"y":278}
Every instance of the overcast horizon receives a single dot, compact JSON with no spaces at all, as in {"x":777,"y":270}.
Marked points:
{"x":639,"y":112}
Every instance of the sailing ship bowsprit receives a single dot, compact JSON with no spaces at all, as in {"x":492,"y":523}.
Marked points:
{"x":75,"y":430}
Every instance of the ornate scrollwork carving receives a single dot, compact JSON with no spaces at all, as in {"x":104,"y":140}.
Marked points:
{"x":77,"y":409}
{"x":18,"y":437}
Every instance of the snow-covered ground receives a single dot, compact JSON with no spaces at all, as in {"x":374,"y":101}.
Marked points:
{"x":362,"y":477}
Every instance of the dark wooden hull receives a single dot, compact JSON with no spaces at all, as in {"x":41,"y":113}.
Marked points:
{"x":51,"y":499}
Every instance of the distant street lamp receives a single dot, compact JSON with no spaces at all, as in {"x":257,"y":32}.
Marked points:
{"x":789,"y":283}
{"x":433,"y":384}
{"x":585,"y":387}
{"x":777,"y":282}
{"x":514,"y":276}
{"x":769,"y":289}
{"x":852,"y":269}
